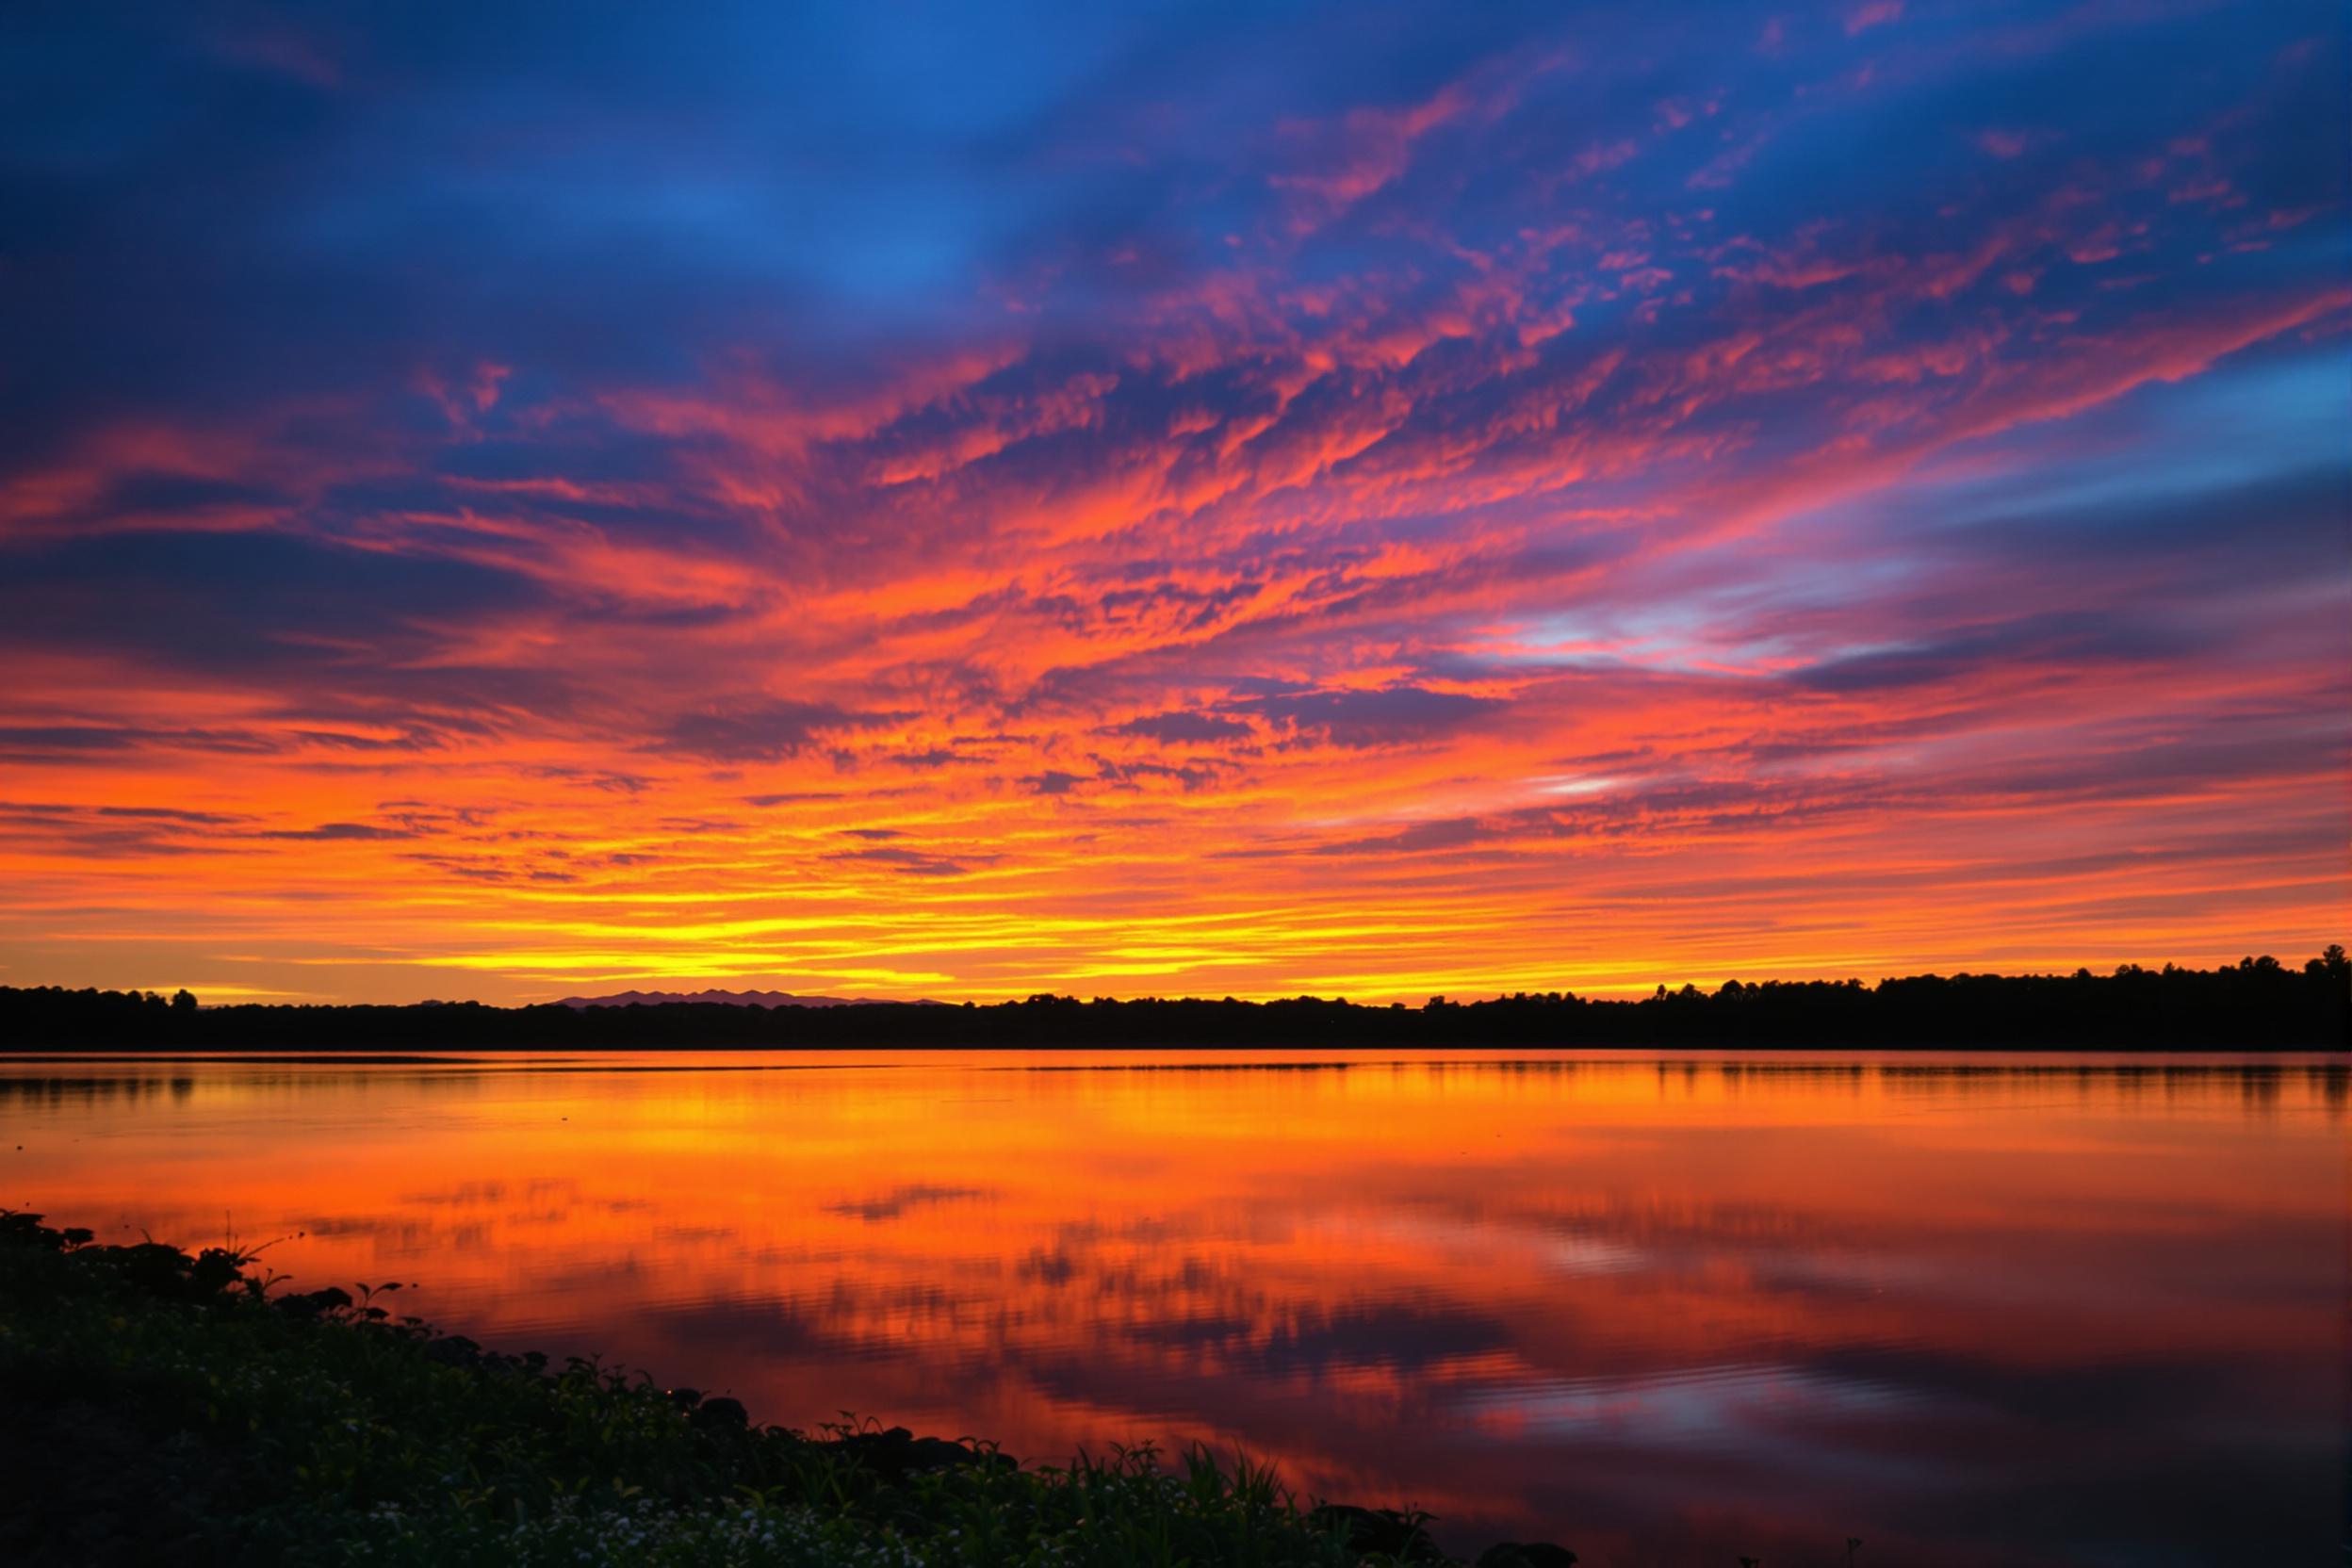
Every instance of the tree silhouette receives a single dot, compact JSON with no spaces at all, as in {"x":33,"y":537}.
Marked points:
{"x":2255,"y":1005}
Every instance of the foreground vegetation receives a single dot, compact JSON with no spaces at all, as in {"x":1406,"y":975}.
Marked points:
{"x":2255,"y":1005}
{"x":158,"y":1407}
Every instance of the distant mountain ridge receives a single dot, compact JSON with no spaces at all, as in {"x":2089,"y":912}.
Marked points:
{"x":718,"y":997}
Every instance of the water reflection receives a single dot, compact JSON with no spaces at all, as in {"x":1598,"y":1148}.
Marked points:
{"x":2031,"y":1310}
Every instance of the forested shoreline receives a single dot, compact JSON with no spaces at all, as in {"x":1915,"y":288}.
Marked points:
{"x":2256,"y":1004}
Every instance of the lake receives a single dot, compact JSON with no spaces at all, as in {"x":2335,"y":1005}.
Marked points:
{"x":1661,"y":1308}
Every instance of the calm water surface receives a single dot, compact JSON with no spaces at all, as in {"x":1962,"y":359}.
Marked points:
{"x":2018,"y":1309}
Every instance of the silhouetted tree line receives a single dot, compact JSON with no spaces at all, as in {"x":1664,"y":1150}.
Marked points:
{"x":2256,"y":1004}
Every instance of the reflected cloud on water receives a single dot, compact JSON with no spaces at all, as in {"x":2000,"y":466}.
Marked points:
{"x":1663,"y":1309}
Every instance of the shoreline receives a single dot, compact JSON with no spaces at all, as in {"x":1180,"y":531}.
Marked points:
{"x":321,"y":1426}
{"x":2133,"y":1009}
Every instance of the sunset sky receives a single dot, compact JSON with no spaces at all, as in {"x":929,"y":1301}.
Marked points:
{"x":1352,"y":499}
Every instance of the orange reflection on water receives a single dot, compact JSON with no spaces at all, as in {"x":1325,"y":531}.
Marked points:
{"x":2047,"y":1309}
